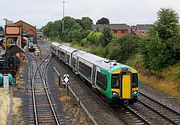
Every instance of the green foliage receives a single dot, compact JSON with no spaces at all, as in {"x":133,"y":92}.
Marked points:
{"x":153,"y":53}
{"x":103,"y":20}
{"x":95,"y":37}
{"x":107,"y":36}
{"x":75,"y":33}
{"x":100,"y":51}
{"x":162,"y":48}
{"x":86,"y":23}
{"x":74,"y":29}
{"x":52,"y":29}
{"x":123,"y":48}
{"x":167,"y":23}
{"x":69,"y":22}
{"x":1,"y":28}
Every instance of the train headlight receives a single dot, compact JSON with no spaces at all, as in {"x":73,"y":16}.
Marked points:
{"x":135,"y":92}
{"x":115,"y":93}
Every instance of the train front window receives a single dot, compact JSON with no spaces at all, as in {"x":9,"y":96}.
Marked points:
{"x":134,"y":80}
{"x":115,"y":83}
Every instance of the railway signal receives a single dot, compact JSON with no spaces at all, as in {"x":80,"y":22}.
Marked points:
{"x":66,"y":79}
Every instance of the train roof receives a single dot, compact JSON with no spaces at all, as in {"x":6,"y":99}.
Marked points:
{"x":55,"y":44}
{"x":94,"y":59}
{"x":67,"y":48}
{"x":98,"y":61}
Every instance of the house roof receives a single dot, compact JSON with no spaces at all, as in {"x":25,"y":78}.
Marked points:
{"x":24,"y":23}
{"x":120,"y":27}
{"x":112,"y":26}
{"x":144,"y":27}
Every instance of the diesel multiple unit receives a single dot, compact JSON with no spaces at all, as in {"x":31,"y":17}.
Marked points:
{"x":114,"y":81}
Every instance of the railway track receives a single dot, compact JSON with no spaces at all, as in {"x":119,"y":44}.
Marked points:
{"x":166,"y":113}
{"x":138,"y":119}
{"x":43,"y":109}
{"x":125,"y":113}
{"x":130,"y":114}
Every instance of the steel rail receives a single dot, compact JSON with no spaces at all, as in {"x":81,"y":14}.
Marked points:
{"x":157,"y":112}
{"x":33,"y":93}
{"x":177,"y":113}
{"x":47,"y":93}
{"x":136,"y":114}
{"x":105,"y":104}
{"x":45,"y":87}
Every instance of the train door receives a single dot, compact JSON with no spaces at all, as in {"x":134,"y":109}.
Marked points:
{"x":126,"y":86}
{"x":77,"y":64}
{"x":93,"y":75}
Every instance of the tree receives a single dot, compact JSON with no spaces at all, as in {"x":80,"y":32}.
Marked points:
{"x":162,"y":47}
{"x":1,"y":28}
{"x":153,"y":51}
{"x":103,"y":20}
{"x":86,"y":23}
{"x":69,"y":22}
{"x":123,"y":48}
{"x":167,"y":23}
{"x":107,"y":36}
{"x":95,"y":37}
{"x":74,"y":33}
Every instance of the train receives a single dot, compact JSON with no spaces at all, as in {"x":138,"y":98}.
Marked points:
{"x":115,"y":82}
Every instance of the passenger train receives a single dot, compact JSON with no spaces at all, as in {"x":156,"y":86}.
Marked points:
{"x":115,"y":81}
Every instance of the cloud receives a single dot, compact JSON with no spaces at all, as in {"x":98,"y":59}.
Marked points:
{"x":39,"y":12}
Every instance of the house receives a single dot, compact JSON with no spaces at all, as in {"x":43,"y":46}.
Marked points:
{"x":120,"y":29}
{"x":28,"y":30}
{"x":141,"y":29}
{"x":117,"y":29}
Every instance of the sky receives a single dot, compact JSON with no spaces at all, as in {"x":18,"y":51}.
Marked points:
{"x":39,"y":12}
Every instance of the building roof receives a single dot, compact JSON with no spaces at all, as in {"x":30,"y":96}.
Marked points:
{"x":143,"y":27}
{"x":120,"y":27}
{"x":112,"y":26}
{"x":20,"y":21}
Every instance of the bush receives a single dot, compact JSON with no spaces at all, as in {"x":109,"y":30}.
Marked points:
{"x":123,"y":48}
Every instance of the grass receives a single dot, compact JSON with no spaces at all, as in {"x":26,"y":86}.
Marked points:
{"x":167,"y":81}
{"x":168,"y":87}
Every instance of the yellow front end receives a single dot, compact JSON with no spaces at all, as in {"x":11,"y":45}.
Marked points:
{"x":126,"y":86}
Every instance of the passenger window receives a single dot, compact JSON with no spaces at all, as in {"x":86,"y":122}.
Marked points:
{"x":115,"y":81}
{"x":134,"y":80}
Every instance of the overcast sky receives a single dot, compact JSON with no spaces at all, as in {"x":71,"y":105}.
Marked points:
{"x":39,"y":12}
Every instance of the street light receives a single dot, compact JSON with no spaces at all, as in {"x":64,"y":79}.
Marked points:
{"x":63,"y":17}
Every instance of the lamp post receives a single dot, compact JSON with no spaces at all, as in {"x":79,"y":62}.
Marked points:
{"x":63,"y":17}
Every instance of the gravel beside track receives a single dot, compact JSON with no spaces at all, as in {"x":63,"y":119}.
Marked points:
{"x":166,"y":100}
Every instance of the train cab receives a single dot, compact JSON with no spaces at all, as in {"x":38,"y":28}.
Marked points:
{"x":124,"y":84}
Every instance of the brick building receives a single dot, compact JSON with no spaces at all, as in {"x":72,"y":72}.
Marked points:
{"x":117,"y":29}
{"x":28,"y":30}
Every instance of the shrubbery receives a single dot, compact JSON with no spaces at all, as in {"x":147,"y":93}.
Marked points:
{"x":160,"y":49}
